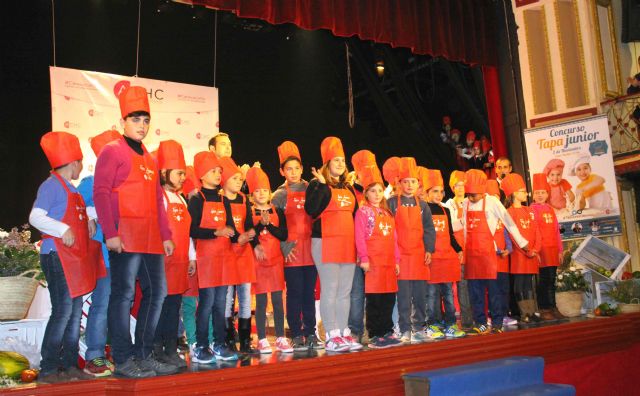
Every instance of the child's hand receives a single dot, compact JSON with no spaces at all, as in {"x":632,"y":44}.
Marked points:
{"x":191,"y":269}
{"x":461,"y":256}
{"x":365,"y":267}
{"x":244,"y":238}
{"x":115,"y":244}
{"x":92,"y":228}
{"x":427,"y":258}
{"x":260,"y":254}
{"x":224,"y":232}
{"x":397,"y":269}
{"x":68,"y":238}
{"x":265,"y":218}
{"x":504,"y":253}
{"x":318,"y":175}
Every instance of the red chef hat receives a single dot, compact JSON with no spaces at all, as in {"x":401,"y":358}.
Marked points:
{"x":99,"y":141}
{"x":330,"y":148}
{"x":133,"y":99}
{"x":288,"y":149}
{"x":229,"y":168}
{"x":408,"y":168}
{"x":203,"y":162}
{"x":369,"y":175}
{"x":362,"y":159}
{"x":471,"y":135}
{"x":512,"y":183}
{"x":391,"y":169}
{"x":493,"y":188}
{"x":540,"y":182}
{"x":170,"y":155}
{"x":256,"y":178}
{"x":191,"y":182}
{"x":61,"y":148}
{"x":433,"y":179}
{"x":475,"y":182}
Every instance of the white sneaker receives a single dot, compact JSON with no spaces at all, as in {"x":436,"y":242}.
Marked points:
{"x":264,"y":346}
{"x":283,"y":345}
{"x":418,"y":336}
{"x":406,"y":337}
{"x":353,"y":344}
{"x":509,"y":321}
{"x":337,"y":344}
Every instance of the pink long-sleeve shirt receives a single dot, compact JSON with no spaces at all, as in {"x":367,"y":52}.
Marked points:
{"x":365,"y":220}
{"x":112,"y":169}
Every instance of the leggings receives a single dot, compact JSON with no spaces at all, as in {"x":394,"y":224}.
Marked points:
{"x":261,"y":313}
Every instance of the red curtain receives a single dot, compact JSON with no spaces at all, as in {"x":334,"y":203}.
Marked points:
{"x":494,"y":110}
{"x":460,"y":30}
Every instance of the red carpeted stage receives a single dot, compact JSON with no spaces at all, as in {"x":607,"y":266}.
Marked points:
{"x":598,"y":356}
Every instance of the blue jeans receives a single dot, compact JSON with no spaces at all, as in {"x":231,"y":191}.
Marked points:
{"x":61,"y":337}
{"x":356,"y":310}
{"x":211,"y":306}
{"x":437,"y":292}
{"x":496,"y":301}
{"x":301,"y":303}
{"x":125,"y":268}
{"x":244,"y":301}
{"x":96,"y":331}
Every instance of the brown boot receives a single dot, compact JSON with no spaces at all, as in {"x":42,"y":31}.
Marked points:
{"x":547,"y":315}
{"x":525,"y":314}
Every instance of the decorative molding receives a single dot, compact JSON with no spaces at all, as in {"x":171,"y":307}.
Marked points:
{"x":521,"y":3}
{"x":585,"y":82}
{"x":529,"y":37}
{"x":602,"y":67}
{"x":561,"y":117}
{"x":548,"y":59}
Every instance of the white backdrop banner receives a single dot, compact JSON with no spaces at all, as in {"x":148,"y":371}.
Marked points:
{"x":85,"y":103}
{"x":586,"y":194}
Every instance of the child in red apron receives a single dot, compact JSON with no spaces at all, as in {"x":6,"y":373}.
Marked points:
{"x":416,"y":241}
{"x":524,"y":265}
{"x":211,"y":230}
{"x":299,"y":271}
{"x":182,"y":263}
{"x":550,"y":249}
{"x":331,"y":202}
{"x":70,"y":259}
{"x":239,"y":266}
{"x":379,"y":258}
{"x":445,"y":261}
{"x":271,"y":227}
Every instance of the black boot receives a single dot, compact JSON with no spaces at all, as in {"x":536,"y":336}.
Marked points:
{"x":230,"y":339}
{"x":244,"y":332}
{"x":171,"y":353}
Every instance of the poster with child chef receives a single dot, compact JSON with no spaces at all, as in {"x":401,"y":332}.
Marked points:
{"x":576,"y":158}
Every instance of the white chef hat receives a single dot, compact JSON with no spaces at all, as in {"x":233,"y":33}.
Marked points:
{"x":582,"y":159}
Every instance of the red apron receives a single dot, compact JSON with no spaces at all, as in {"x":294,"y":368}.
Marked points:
{"x":338,"y":230}
{"x":193,"y":289}
{"x":459,"y":235}
{"x":239,"y":267}
{"x":212,"y":253}
{"x":299,"y":228}
{"x":480,"y":261}
{"x":176,"y":266}
{"x":549,"y":250}
{"x":445,"y":264}
{"x":501,"y":243}
{"x":138,"y":206}
{"x":381,"y":277}
{"x":269,"y":272}
{"x":82,"y":263}
{"x":525,"y":220}
{"x":409,"y":230}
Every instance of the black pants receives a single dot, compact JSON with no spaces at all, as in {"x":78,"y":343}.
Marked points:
{"x":169,"y":317}
{"x":547,"y":287}
{"x":523,"y":283}
{"x":379,"y":308}
{"x":301,"y":302}
{"x":261,"y":314}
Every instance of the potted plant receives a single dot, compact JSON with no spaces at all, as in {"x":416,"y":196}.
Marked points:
{"x":19,"y":272}
{"x":570,"y":289}
{"x":627,"y":295}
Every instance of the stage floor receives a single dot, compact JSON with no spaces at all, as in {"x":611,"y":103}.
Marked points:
{"x":367,"y":371}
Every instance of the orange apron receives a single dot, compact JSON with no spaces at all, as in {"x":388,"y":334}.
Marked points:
{"x":459,"y":235}
{"x":525,"y":220}
{"x":269,"y":272}
{"x":239,"y":267}
{"x":445,"y":264}
{"x":409,"y":230}
{"x":176,"y":266}
{"x":549,"y":250}
{"x":137,"y":202}
{"x":82,"y":263}
{"x":480,"y":261}
{"x":338,"y":230}
{"x":192,"y":290}
{"x":299,"y":228}
{"x":501,"y":243}
{"x":211,"y":254}
{"x":381,"y":277}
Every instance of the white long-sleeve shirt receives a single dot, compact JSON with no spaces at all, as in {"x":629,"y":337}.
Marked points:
{"x":176,"y":198}
{"x":457,"y":224}
{"x":494,"y":211}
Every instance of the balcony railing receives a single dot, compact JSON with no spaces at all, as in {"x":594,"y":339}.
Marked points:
{"x":623,"y":128}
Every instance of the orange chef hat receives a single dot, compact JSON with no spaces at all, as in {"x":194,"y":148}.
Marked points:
{"x":170,"y":155}
{"x":362,"y":159}
{"x":540,"y":182}
{"x":288,"y":149}
{"x":132,"y":99}
{"x":203,"y":162}
{"x":433,"y":179}
{"x":512,"y":183}
{"x":493,"y":188}
{"x":475,"y":182}
{"x":330,"y":148}
{"x":256,"y":178}
{"x":422,"y":176}
{"x":61,"y":148}
{"x":229,"y":168}
{"x":370,"y":175}
{"x":456,"y":176}
{"x":99,"y":141}
{"x":191,"y":182}
{"x":408,"y":168}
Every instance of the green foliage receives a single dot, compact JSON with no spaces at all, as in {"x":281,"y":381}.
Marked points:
{"x":17,"y":253}
{"x":626,"y":291}
{"x":571,"y":279}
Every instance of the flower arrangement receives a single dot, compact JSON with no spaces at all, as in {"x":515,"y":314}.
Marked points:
{"x":17,"y":253}
{"x":571,"y":279}
{"x":626,"y":291}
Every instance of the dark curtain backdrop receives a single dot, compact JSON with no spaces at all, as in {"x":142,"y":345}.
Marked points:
{"x":458,"y":30}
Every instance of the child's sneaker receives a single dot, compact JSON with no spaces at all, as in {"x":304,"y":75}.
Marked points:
{"x":313,"y":343}
{"x":222,"y":352}
{"x":337,"y":344}
{"x":509,"y":321}
{"x":299,"y":344}
{"x":481,"y":330}
{"x":354,"y":345}
{"x":98,"y":367}
{"x":406,"y":337}
{"x":264,"y":346}
{"x":392,"y":340}
{"x":497,"y":330}
{"x":418,"y":336}
{"x":454,"y":332}
{"x":378,"y":343}
{"x":434,"y":333}
{"x":202,"y":355}
{"x":283,"y":345}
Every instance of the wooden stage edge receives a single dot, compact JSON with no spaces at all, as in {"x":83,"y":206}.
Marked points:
{"x":371,"y":372}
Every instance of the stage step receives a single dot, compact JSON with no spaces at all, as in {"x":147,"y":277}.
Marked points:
{"x":510,"y":376}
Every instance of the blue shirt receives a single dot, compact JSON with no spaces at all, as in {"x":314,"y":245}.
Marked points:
{"x":52,"y":198}
{"x":85,"y":188}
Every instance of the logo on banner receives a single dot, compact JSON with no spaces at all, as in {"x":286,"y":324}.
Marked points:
{"x":120,"y":86}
